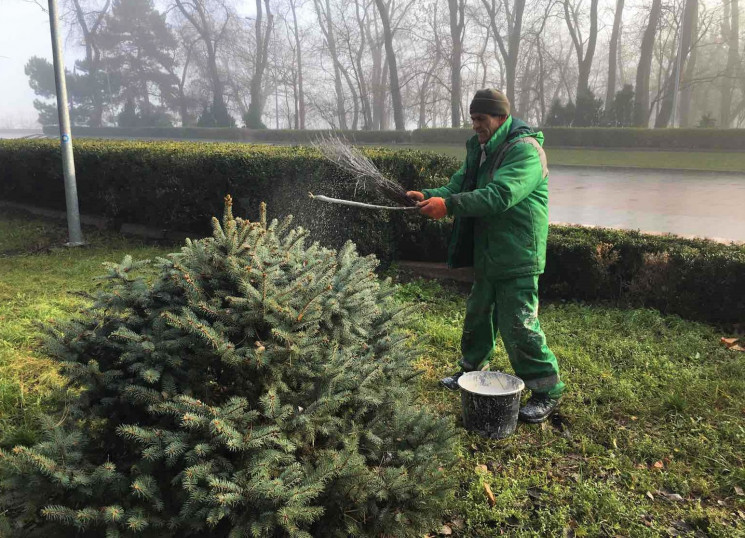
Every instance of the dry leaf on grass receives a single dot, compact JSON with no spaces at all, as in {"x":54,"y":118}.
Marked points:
{"x":732,"y":344}
{"x":481,"y":468}
{"x":489,"y":495}
{"x":672,"y":497}
{"x":739,"y":491}
{"x":446,"y":530}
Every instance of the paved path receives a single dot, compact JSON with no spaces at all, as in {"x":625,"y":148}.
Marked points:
{"x":699,"y":204}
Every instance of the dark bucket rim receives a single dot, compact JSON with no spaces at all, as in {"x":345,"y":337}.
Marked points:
{"x":520,"y":386}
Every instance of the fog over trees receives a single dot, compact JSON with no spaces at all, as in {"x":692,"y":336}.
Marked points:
{"x":400,"y":64}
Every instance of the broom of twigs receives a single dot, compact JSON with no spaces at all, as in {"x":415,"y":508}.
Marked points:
{"x":361,"y":168}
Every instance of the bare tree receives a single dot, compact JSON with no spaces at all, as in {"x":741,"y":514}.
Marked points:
{"x":263,"y":34}
{"x":610,"y":92}
{"x":295,"y":75}
{"x":89,"y":21}
{"x":643,"y":71}
{"x":398,"y":108}
{"x":457,"y":9}
{"x":585,"y":54}
{"x":323,"y":13}
{"x":731,"y":33}
{"x":513,"y":17}
{"x":211,"y":29}
{"x":687,"y":26}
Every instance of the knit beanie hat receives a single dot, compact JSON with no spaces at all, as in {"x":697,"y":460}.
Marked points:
{"x":490,"y":101}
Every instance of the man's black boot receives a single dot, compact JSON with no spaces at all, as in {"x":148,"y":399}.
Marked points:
{"x":538,"y":408}
{"x":451,"y":382}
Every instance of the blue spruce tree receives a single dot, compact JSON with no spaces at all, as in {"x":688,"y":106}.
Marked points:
{"x":249,"y":385}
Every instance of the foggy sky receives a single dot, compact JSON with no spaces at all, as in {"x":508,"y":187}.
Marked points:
{"x":24,"y":32}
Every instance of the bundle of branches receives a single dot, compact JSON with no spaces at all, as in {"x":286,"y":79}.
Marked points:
{"x":361,"y":168}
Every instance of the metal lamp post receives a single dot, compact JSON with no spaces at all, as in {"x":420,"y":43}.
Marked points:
{"x":68,"y":163}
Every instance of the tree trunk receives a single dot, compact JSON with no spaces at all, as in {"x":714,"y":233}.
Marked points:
{"x":300,"y":120}
{"x":92,"y":56}
{"x":731,"y":31}
{"x":643,"y":71}
{"x":378,"y":84}
{"x":256,"y":105}
{"x":398,"y":109}
{"x":211,"y":40}
{"x":584,"y":55}
{"x":327,"y":29}
{"x":360,"y":73}
{"x":686,"y":38}
{"x":610,"y":92}
{"x":457,"y":17}
{"x":686,"y":88}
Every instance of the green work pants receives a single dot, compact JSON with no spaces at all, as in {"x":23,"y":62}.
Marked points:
{"x":510,"y":307}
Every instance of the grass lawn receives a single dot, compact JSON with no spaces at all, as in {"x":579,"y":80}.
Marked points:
{"x":679,"y":160}
{"x":655,"y":408}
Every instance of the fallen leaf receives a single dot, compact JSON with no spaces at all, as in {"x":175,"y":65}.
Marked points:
{"x":649,"y":494}
{"x":634,"y":418}
{"x":729,"y":342}
{"x":457,"y":523}
{"x":481,"y":468}
{"x":741,"y":514}
{"x":736,"y":347}
{"x":672,"y":497}
{"x":739,"y":491}
{"x":446,"y":530}
{"x":489,"y":495}
{"x":658,"y":465}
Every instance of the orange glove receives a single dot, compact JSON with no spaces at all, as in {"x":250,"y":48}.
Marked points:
{"x":433,"y":208}
{"x":415,"y":195}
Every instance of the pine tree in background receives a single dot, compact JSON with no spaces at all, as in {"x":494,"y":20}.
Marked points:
{"x":253,"y":386}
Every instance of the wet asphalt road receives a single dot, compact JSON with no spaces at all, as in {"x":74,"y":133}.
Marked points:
{"x":703,"y":204}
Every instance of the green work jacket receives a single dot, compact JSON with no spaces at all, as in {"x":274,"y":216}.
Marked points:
{"x":501,"y":213}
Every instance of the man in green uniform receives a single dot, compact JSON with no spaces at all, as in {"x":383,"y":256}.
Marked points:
{"x":499,"y":199}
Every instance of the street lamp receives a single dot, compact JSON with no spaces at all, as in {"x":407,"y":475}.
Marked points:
{"x":68,"y":162}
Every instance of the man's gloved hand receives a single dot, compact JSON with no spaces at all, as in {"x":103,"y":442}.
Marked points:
{"x":433,"y":208}
{"x":415,"y":195}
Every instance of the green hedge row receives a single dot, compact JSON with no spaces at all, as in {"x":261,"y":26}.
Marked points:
{"x":180,"y":185}
{"x":598,"y":137}
{"x":591,"y":137}
{"x":284,"y":136}
{"x":696,"y":279}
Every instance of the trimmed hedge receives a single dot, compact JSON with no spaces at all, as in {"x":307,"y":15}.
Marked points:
{"x":694,"y":278}
{"x":588,"y":137}
{"x":179,"y":185}
{"x":599,"y":137}
{"x":284,"y":136}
